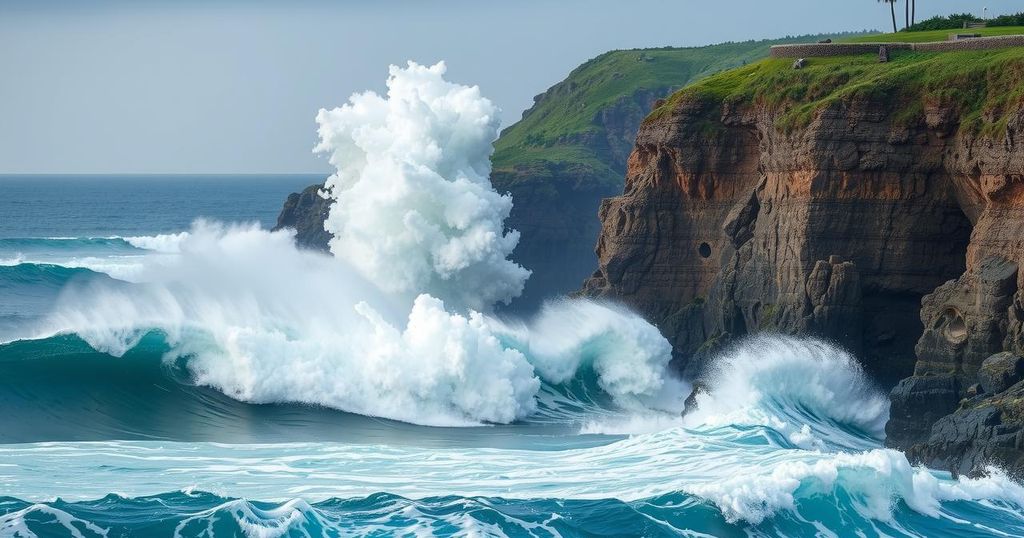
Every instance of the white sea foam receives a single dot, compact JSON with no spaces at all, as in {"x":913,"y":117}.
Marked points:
{"x":747,"y":480}
{"x":15,"y":523}
{"x":265,"y":322}
{"x":167,"y":243}
{"x":17,"y":259}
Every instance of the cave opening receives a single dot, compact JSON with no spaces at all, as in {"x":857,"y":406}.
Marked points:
{"x":891,"y":299}
{"x":704,"y":250}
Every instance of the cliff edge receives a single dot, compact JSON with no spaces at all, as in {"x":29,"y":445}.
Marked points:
{"x":878,"y":205}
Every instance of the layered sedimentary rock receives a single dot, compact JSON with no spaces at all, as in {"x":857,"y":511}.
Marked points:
{"x":889,"y":221}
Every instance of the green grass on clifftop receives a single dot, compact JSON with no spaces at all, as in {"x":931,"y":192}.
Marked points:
{"x":932,"y":35}
{"x":564,"y":129}
{"x":984,"y":86}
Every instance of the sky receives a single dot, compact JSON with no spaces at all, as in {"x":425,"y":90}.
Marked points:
{"x":233,"y":86}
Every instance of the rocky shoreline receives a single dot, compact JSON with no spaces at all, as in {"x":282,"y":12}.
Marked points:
{"x":900,"y":238}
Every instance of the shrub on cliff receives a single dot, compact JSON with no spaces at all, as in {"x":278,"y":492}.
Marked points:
{"x":956,"y":21}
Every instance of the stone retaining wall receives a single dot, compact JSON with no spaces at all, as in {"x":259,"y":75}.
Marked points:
{"x":819,"y":50}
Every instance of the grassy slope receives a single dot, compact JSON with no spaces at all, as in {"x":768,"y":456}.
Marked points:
{"x":932,"y":35}
{"x":552,"y":133}
{"x":982,"y":85}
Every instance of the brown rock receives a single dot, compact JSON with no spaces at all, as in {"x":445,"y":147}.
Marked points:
{"x":900,"y":240}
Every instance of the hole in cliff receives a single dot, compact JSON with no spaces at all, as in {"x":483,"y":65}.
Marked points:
{"x":704,"y":250}
{"x":955,"y":330}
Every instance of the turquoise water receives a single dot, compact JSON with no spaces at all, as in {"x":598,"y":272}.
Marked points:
{"x":116,"y":420}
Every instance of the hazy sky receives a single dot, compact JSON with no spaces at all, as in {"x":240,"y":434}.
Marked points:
{"x":233,"y":86}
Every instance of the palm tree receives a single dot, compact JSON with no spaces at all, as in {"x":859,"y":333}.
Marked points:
{"x":906,"y":14}
{"x":892,"y":10}
{"x":913,"y":12}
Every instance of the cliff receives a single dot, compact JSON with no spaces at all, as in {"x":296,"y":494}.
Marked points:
{"x":567,"y":153}
{"x":877,"y":205}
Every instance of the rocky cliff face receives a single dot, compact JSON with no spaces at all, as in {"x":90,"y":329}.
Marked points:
{"x":889,"y":221}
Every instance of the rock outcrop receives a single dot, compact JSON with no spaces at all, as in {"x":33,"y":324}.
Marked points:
{"x":879,"y":212}
{"x":305,"y":212}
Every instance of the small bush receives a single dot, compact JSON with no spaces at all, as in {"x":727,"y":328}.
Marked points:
{"x":957,"y":20}
{"x":1008,"y":20}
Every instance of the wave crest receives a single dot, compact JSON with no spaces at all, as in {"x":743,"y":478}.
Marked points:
{"x":814,"y":393}
{"x":265,"y":322}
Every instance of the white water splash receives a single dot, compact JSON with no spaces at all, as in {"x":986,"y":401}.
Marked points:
{"x":414,"y":209}
{"x":814,"y":393}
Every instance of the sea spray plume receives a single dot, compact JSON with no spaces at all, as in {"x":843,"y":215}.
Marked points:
{"x":414,"y":210}
{"x":814,"y":393}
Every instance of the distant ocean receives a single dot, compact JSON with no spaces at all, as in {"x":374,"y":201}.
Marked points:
{"x":106,"y":205}
{"x":163,"y":376}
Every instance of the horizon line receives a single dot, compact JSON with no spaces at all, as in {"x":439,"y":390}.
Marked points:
{"x":136,"y":174}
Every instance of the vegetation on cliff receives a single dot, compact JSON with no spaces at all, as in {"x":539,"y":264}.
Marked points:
{"x":981,"y":86}
{"x":956,"y":21}
{"x":565,"y":129}
{"x":931,"y":35}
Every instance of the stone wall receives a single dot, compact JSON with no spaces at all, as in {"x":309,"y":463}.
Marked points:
{"x":820,"y":50}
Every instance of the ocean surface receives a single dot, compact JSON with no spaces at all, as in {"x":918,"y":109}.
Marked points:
{"x":169,"y":367}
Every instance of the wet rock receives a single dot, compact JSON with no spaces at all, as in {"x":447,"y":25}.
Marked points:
{"x":1000,"y":371}
{"x":690,"y":405}
{"x":917,"y":403}
{"x":305,"y":212}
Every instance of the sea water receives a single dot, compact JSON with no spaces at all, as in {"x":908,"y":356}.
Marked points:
{"x":788,"y":442}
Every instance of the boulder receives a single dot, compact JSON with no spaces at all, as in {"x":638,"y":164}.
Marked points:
{"x":917,"y":403}
{"x":1000,"y":371}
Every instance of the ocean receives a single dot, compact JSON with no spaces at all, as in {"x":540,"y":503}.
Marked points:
{"x":170,"y":367}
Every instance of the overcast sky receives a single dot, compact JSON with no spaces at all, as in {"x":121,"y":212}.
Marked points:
{"x":233,"y":86}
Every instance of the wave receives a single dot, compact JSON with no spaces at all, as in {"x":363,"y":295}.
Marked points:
{"x":167,"y":243}
{"x":762,"y":490}
{"x":814,"y":393}
{"x":29,"y":291}
{"x":119,"y":257}
{"x":199,"y":513}
{"x":266,"y":323}
{"x":203,"y":514}
{"x":41,"y":275}
{"x":65,"y":390}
